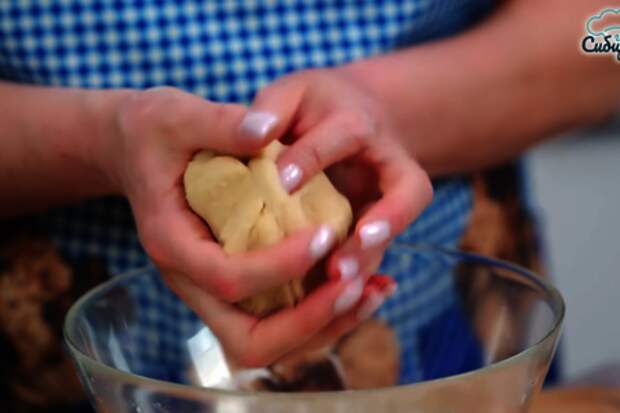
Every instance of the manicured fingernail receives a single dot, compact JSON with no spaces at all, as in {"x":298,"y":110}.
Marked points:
{"x":370,"y":306}
{"x":349,"y":296}
{"x":322,"y":242}
{"x":374,"y":233}
{"x":391,"y":290}
{"x":256,"y":125}
{"x":290,"y":176}
{"x":348,"y":267}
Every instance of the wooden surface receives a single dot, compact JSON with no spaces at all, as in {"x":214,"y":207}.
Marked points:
{"x":578,"y":400}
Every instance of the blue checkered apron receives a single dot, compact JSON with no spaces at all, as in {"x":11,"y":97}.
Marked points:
{"x":226,"y":51}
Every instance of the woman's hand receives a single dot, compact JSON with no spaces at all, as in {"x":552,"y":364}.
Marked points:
{"x":146,"y":149}
{"x":332,"y":122}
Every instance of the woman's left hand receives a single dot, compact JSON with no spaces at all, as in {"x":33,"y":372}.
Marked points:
{"x":332,"y":123}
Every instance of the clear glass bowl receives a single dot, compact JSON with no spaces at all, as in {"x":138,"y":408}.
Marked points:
{"x":475,"y":334}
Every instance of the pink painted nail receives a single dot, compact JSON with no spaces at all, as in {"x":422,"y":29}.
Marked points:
{"x":348,"y":267}
{"x":391,"y":290}
{"x":374,"y":233}
{"x":322,"y":242}
{"x":290,"y":176}
{"x":370,"y":306}
{"x":256,"y":125}
{"x":349,"y":296}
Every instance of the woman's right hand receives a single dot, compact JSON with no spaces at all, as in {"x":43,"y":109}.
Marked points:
{"x":144,"y":152}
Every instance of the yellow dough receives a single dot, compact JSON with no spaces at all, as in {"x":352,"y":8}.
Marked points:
{"x":247,"y":208}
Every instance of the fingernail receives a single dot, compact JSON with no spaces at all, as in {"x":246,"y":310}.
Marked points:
{"x":370,"y":306}
{"x":391,"y":290}
{"x":256,"y":125}
{"x":348,"y":268}
{"x":349,"y":297}
{"x":374,"y":233}
{"x":322,"y":242}
{"x":290,"y":176}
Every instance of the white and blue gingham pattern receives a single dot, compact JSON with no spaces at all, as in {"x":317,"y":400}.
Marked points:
{"x":224,"y":51}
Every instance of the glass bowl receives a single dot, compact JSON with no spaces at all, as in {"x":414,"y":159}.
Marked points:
{"x":475,"y":335}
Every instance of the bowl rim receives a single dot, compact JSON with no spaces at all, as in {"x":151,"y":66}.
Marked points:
{"x":127,"y":377}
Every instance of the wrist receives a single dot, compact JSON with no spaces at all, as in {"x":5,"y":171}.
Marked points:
{"x":101,"y":152}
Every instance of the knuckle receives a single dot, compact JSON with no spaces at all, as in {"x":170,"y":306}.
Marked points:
{"x":149,"y":109}
{"x":312,"y":158}
{"x":132,"y":113}
{"x":223,"y":280}
{"x":167,"y":114}
{"x":226,"y":288}
{"x":360,"y":125}
{"x":264,"y":94}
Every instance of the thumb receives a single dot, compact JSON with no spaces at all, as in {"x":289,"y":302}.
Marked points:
{"x":272,"y":112}
{"x":191,"y":122}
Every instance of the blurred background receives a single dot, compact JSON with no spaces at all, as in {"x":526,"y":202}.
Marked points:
{"x":575,"y":180}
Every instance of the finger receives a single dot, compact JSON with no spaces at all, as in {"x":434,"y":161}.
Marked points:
{"x":291,"y":328}
{"x":347,"y":262}
{"x":328,"y":142}
{"x":191,"y":122}
{"x":377,"y":290}
{"x":177,"y":239}
{"x":406,"y":191}
{"x":228,"y":323}
{"x":255,"y":342}
{"x":290,"y":259}
{"x":273,"y":110}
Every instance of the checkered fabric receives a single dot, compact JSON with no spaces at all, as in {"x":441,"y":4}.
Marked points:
{"x":226,"y":51}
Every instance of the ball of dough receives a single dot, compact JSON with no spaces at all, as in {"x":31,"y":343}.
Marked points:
{"x":246,"y":208}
